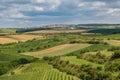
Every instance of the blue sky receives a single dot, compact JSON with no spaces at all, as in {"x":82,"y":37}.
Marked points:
{"x":27,"y":13}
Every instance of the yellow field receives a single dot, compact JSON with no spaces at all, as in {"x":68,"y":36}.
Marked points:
{"x":25,"y":37}
{"x":4,"y":40}
{"x":17,"y":38}
{"x":57,"y":31}
{"x":58,"y":50}
{"x":113,"y":42}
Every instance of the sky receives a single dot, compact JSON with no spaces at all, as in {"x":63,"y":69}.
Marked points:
{"x":28,"y":13}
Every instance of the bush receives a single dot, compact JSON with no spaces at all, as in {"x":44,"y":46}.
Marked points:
{"x":115,"y":55}
{"x":23,"y":61}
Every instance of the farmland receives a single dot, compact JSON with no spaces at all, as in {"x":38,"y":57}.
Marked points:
{"x":58,"y":50}
{"x":37,"y":71}
{"x":16,"y":38}
{"x":77,"y":61}
{"x":59,"y":55}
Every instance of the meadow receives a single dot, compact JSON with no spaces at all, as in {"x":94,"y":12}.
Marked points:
{"x":60,"y":55}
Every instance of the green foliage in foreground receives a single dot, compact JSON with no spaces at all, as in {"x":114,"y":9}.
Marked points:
{"x":10,"y":61}
{"x":37,"y":71}
{"x":83,"y":71}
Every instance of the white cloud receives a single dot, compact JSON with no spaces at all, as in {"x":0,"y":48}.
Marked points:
{"x":12,"y":13}
{"x":54,"y":4}
{"x":113,"y":10}
{"x":81,"y":4}
{"x":91,"y":5}
{"x":40,"y":1}
{"x":98,"y":4}
{"x":37,"y":8}
{"x":17,"y":15}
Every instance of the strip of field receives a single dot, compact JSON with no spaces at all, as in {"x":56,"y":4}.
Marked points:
{"x":37,"y":71}
{"x":113,"y":42}
{"x":103,"y":52}
{"x":16,"y":38}
{"x":24,"y":37}
{"x":76,"y":61}
{"x":4,"y":40}
{"x":57,"y":31}
{"x":58,"y":50}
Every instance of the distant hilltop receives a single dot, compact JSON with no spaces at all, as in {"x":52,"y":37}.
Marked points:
{"x":73,"y":25}
{"x":68,"y":27}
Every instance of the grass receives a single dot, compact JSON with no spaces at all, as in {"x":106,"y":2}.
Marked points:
{"x":58,"y":50}
{"x":37,"y":71}
{"x":10,"y":57}
{"x":97,"y":47}
{"x":8,"y":30}
{"x":103,"y":52}
{"x":76,"y":61}
{"x":110,"y":36}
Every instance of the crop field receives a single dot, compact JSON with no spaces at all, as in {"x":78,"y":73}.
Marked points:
{"x":25,"y":37}
{"x":76,"y":61}
{"x":113,"y":42}
{"x":37,"y":71}
{"x":58,"y":31}
{"x":4,"y":40}
{"x":58,"y":50}
{"x":16,"y":38}
{"x":103,"y":52}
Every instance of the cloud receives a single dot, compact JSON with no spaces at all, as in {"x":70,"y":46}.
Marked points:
{"x":91,"y":5}
{"x":113,"y":10}
{"x":40,"y":1}
{"x":37,"y":8}
{"x":39,"y":12}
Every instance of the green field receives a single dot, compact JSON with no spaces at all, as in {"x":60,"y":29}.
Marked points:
{"x":76,"y":61}
{"x":104,"y":52}
{"x":8,"y":30}
{"x":37,"y":71}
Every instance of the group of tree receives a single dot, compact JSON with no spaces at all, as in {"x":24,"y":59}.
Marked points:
{"x":84,"y":71}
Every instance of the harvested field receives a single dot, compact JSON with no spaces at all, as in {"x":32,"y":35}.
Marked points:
{"x":25,"y":37}
{"x":4,"y":40}
{"x":58,"y":50}
{"x":113,"y":42}
{"x":16,"y":38}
